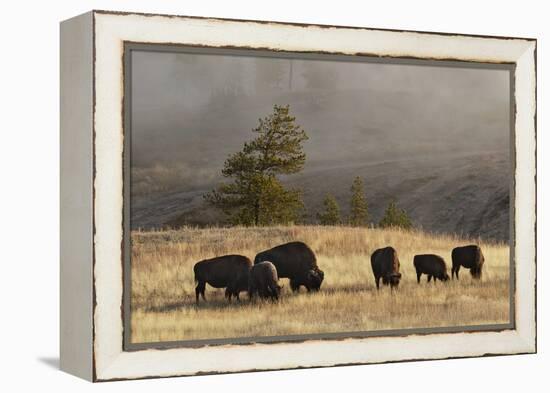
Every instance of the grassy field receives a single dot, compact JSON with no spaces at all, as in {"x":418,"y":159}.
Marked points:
{"x":163,"y":289}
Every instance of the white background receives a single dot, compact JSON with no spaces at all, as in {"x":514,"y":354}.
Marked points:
{"x":29,"y":196}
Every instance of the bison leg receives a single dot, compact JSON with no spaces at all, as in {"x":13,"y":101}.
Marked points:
{"x":228,"y":294}
{"x":418,"y":274}
{"x":251,"y":290}
{"x":295,"y":286}
{"x":429,"y":277}
{"x":231,"y":291}
{"x":377,"y":280}
{"x":199,"y":290}
{"x":476,"y":273}
{"x":273,"y":293}
{"x":454,"y":271}
{"x":262,"y":293}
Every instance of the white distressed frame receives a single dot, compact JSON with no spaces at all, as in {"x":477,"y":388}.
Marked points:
{"x":112,"y":29}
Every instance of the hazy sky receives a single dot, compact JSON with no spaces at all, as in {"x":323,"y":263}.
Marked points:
{"x":190,"y":111}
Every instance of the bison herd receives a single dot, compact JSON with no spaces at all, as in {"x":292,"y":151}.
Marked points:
{"x":297,"y":262}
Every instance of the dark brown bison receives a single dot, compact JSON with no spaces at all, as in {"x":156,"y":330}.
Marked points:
{"x":469,"y":257}
{"x":431,"y":265}
{"x":228,"y":271}
{"x":385,"y":266}
{"x":263,"y":281}
{"x":295,"y":261}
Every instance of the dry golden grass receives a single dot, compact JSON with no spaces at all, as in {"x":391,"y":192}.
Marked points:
{"x":163,"y":289}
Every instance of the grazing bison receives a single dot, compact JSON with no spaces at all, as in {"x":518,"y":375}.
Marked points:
{"x":470,"y":257}
{"x":431,"y":265}
{"x":295,"y":261}
{"x":228,"y":271}
{"x":385,"y":266}
{"x":263,"y":281}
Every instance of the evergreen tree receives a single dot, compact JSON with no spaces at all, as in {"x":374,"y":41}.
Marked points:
{"x":331,"y":213}
{"x":359,"y":209}
{"x":256,"y":196}
{"x":395,"y":217}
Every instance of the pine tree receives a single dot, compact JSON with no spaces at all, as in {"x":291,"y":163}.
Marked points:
{"x":395,"y":217}
{"x":359,"y":209}
{"x":331,"y":213}
{"x":256,"y":196}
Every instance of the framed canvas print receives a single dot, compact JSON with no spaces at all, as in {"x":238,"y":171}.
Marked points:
{"x":245,"y":195}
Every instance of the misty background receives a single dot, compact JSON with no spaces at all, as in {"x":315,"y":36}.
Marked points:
{"x":436,"y":139}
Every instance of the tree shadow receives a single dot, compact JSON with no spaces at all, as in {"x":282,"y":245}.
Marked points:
{"x":219,"y":302}
{"x":209,"y":304}
{"x":168,"y":307}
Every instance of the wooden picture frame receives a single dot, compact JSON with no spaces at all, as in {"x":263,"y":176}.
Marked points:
{"x":94,"y":195}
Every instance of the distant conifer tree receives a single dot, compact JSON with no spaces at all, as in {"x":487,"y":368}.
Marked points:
{"x":395,"y":217}
{"x":359,"y":212}
{"x":331,"y":213}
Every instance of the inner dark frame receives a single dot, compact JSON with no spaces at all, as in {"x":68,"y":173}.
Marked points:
{"x":130,"y":47}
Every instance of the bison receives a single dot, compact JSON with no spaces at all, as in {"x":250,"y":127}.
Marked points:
{"x":228,"y":271}
{"x":263,"y":281}
{"x":295,"y":261}
{"x":431,"y":265}
{"x":470,"y":257}
{"x":385,"y":266}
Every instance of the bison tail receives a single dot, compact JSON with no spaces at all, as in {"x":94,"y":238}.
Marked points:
{"x":196,"y":275}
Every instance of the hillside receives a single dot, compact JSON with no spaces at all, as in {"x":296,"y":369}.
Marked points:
{"x":466,"y":194}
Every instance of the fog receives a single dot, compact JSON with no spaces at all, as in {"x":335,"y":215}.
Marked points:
{"x":190,"y":111}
